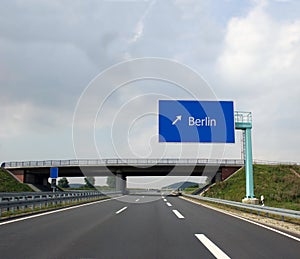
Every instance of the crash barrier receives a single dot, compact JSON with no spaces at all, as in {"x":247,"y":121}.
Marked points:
{"x":258,"y":209}
{"x":23,"y":202}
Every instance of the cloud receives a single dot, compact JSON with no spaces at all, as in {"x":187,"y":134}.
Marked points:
{"x":139,"y":29}
{"x":283,"y":1}
{"x":13,"y":117}
{"x":259,"y":47}
{"x":259,"y":64}
{"x":50,"y":50}
{"x":261,"y":54}
{"x":138,"y":32}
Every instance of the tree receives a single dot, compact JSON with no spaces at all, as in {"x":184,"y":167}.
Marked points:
{"x":63,"y":183}
{"x":89,"y":181}
{"x":111,"y":181}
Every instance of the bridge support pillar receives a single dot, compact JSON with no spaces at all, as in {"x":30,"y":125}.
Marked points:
{"x":217,"y":177}
{"x":120,"y":182}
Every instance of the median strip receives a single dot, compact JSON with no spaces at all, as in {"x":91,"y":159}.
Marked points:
{"x":216,"y":251}
{"x":178,"y":214}
{"x":121,"y":210}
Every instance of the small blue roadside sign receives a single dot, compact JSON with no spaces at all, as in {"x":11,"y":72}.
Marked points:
{"x":53,"y":172}
{"x":196,"y":121}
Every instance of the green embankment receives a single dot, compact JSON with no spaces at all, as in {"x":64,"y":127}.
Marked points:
{"x":279,"y":185}
{"x":10,"y":184}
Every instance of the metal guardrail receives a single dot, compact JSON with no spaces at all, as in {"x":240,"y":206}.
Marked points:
{"x":11,"y":203}
{"x":257,"y":208}
{"x":110,"y":162}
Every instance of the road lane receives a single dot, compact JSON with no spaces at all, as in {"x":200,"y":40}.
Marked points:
{"x":237,"y":238}
{"x":43,"y":236}
{"x":145,"y":229}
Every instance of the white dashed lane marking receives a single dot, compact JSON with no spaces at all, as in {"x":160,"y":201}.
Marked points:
{"x":121,"y":210}
{"x":178,"y":214}
{"x":216,"y":251}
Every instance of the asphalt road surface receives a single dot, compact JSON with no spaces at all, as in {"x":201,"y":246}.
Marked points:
{"x":141,"y":226}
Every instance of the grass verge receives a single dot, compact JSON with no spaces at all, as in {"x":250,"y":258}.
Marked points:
{"x":10,"y":184}
{"x":280,"y":187}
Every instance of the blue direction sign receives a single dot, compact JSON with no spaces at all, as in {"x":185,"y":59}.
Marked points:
{"x":53,"y":172}
{"x":196,"y":121}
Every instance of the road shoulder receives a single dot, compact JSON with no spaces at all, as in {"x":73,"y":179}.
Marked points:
{"x":286,"y":228}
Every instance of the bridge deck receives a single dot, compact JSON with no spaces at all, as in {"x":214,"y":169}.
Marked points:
{"x":122,"y":162}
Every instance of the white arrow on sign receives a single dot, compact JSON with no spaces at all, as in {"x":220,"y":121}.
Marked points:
{"x":178,"y":118}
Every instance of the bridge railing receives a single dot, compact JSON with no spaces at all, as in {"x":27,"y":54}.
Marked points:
{"x":136,"y":162}
{"x":108,"y":162}
{"x":266,"y":162}
{"x":267,"y":211}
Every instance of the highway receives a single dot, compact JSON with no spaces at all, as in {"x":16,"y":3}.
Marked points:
{"x":141,"y":226}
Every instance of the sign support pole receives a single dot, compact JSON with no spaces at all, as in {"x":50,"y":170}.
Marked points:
{"x":243,"y":121}
{"x":249,"y":165}
{"x":207,"y":121}
{"x":53,"y":176}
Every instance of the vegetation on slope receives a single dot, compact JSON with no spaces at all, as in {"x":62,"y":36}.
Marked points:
{"x":280,"y":186}
{"x":10,"y":184}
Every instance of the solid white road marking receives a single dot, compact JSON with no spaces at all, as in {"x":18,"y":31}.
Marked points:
{"x":119,"y":211}
{"x":169,"y":204}
{"x":178,"y":214}
{"x":56,"y":211}
{"x":137,"y":200}
{"x":216,"y":251}
{"x":247,"y":220}
{"x":165,"y":199}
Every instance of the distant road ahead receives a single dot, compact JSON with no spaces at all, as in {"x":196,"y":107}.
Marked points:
{"x":142,"y":227}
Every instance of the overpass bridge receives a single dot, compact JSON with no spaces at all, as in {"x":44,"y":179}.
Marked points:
{"x":38,"y":172}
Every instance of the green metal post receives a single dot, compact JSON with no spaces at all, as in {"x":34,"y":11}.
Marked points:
{"x":249,"y":166}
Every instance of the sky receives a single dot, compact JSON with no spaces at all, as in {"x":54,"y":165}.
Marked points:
{"x":56,"y":103}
